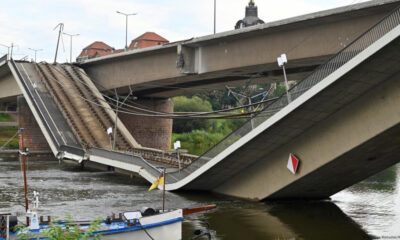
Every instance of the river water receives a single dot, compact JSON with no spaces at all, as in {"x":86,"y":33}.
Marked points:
{"x":368,"y":210}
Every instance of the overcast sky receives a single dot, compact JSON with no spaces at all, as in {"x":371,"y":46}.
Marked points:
{"x":30,"y":23}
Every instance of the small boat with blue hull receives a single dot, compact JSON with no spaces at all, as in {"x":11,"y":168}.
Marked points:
{"x":139,"y":225}
{"x":166,"y":226}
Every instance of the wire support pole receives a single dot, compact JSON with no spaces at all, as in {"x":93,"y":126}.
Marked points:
{"x":61,"y":28}
{"x":116,"y":113}
{"x":289,"y":98}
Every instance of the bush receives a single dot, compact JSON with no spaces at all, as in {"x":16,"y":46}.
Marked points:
{"x":197,"y":141}
{"x":4,"y":117}
{"x":68,"y":231}
{"x":195,"y":104}
{"x":5,"y":134}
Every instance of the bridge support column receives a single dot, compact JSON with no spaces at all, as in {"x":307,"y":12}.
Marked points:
{"x":34,"y":138}
{"x":149,"y":131}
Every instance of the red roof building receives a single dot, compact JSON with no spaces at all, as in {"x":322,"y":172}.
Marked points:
{"x":99,"y":49}
{"x":148,"y":39}
{"x":96,"y":49}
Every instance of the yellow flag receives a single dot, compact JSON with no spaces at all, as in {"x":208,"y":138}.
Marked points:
{"x":159,"y":180}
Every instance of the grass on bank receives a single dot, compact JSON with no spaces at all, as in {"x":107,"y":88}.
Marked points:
{"x":5,"y":134}
{"x":199,"y":141}
{"x":4,"y":117}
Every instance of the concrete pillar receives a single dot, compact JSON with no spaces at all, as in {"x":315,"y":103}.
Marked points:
{"x":34,"y":138}
{"x":149,"y":131}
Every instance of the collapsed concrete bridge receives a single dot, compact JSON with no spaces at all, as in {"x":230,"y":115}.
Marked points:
{"x":343,"y":124}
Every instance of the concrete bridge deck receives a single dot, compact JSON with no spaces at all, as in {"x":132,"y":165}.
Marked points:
{"x":344,"y":125}
{"x":231,"y":58}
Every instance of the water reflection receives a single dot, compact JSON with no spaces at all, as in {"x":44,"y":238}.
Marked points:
{"x":375,"y":203}
{"x":370,"y":208}
{"x":297,"y":220}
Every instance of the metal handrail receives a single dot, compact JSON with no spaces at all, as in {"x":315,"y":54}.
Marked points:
{"x":4,"y":58}
{"x":41,"y":115}
{"x":331,"y":65}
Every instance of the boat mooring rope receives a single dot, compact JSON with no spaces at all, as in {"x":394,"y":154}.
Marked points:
{"x":147,"y":233}
{"x":9,"y":140}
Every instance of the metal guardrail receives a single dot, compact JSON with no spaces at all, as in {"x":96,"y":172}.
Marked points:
{"x":4,"y":58}
{"x":36,"y":105}
{"x":125,"y":157}
{"x":358,"y":45}
{"x":163,"y":157}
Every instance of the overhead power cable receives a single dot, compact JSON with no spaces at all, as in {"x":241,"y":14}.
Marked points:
{"x":174,"y":116}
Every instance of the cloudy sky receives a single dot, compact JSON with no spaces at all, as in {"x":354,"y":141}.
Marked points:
{"x":30,"y":23}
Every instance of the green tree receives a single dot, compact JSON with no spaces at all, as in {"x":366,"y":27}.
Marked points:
{"x":195,"y":104}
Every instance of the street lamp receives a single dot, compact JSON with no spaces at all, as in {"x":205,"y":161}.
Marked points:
{"x":126,"y":26}
{"x":9,"y":54}
{"x":215,"y":16}
{"x":282,"y":60}
{"x":70,"y":44}
{"x":35,"y":50}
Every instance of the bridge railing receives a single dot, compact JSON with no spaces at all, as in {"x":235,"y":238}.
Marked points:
{"x":361,"y":43}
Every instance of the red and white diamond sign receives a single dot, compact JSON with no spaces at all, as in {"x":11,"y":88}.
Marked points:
{"x":293,"y":163}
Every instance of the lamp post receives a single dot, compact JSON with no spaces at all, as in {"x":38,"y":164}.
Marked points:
{"x":215,"y":16}
{"x":282,"y":60}
{"x":35,"y":50}
{"x":126,"y":26}
{"x":9,"y":53}
{"x":70,"y":44}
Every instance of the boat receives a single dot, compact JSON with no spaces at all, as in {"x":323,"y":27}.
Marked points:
{"x":146,"y":223}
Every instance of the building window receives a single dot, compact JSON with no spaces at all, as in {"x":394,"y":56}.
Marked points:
{"x":136,"y":44}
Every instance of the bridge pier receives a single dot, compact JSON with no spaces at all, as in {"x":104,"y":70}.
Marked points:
{"x":148,"y":131}
{"x":34,"y":138}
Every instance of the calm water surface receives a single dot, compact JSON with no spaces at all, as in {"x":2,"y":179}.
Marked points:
{"x":368,"y":210}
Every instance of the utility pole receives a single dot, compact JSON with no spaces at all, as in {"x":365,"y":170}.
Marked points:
{"x":116,"y":112}
{"x":282,"y":60}
{"x":12,"y":48}
{"x":249,"y":100}
{"x":35,"y":50}
{"x":126,"y":26}
{"x":215,"y":16}
{"x":61,"y":28}
{"x":70,"y":44}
